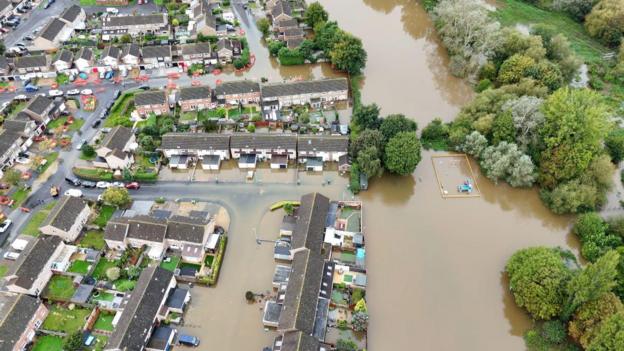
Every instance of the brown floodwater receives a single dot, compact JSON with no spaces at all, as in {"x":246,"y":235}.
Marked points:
{"x":435,"y":265}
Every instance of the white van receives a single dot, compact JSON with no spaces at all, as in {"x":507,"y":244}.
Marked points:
{"x":11,"y":256}
{"x":112,"y":10}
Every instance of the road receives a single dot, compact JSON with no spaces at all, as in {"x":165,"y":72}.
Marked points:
{"x":34,"y":19}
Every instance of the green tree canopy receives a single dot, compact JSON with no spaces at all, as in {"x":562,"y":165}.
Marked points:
{"x":314,"y":14}
{"x":369,"y":160}
{"x":116,"y":196}
{"x":348,"y":54}
{"x":402,"y":153}
{"x":610,"y":334}
{"x":367,"y":138}
{"x":590,"y":315}
{"x":367,"y":116}
{"x":615,"y":144}
{"x":263,"y":25}
{"x":393,"y":124}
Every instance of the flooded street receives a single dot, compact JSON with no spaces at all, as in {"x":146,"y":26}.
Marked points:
{"x":434,"y":265}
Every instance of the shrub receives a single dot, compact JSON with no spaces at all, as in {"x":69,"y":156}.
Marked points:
{"x":435,"y":135}
{"x":113,"y":273}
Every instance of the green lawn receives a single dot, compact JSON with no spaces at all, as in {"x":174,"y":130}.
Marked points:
{"x":100,"y":343}
{"x":77,"y":124}
{"x":3,"y":270}
{"x":512,"y":12}
{"x":234,"y":113}
{"x":105,"y":214}
{"x":100,"y":270}
{"x":208,"y":260}
{"x":17,"y":109}
{"x":66,"y":320}
{"x":87,"y":3}
{"x":103,"y":296}
{"x":48,"y":343}
{"x":93,"y":239}
{"x":32,"y":228}
{"x":93,"y":174}
{"x":51,"y":157}
{"x":172,"y":264}
{"x":188,"y":116}
{"x":120,"y":112}
{"x":19,"y":196}
{"x":104,"y":321}
{"x":62,"y":79}
{"x":125,"y":285}
{"x":80,"y":267}
{"x":61,"y":288}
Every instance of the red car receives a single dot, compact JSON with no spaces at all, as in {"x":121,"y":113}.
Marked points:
{"x":133,"y":185}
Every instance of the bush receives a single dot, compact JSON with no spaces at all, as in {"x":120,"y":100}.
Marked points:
{"x":290,"y":57}
{"x":354,"y":179}
{"x":606,"y":21}
{"x":483,"y":84}
{"x":113,"y":273}
{"x":615,"y":145}
{"x":435,"y":135}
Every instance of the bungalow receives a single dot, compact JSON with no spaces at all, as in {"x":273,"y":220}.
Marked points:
{"x":41,"y":109}
{"x":151,"y":102}
{"x":115,"y":151}
{"x":84,"y":59}
{"x":197,"y":53}
{"x":281,"y":11}
{"x":156,"y":24}
{"x":238,"y":92}
{"x":33,"y":269}
{"x":110,"y":56}
{"x":228,"y":49}
{"x":30,"y":64}
{"x":20,"y":317}
{"x":313,"y":92}
{"x":67,"y":218}
{"x":196,"y":99}
{"x":142,"y":310}
{"x":248,"y":148}
{"x":179,"y":148}
{"x":63,"y":60}
{"x":131,"y":54}
{"x":157,"y":55}
{"x":74,"y":16}
{"x":52,"y":35}
{"x":314,"y":150}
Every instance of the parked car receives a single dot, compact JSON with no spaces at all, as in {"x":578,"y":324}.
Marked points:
{"x":133,"y":186}
{"x":82,"y":143}
{"x":48,"y":4}
{"x":28,"y":38}
{"x":4,"y":186}
{"x":73,"y":92}
{"x":112,"y":10}
{"x":5,"y":225}
{"x":188,"y":340}
{"x":103,"y":185}
{"x":11,"y":255}
{"x":118,"y":184}
{"x":88,"y":184}
{"x":86,"y":92}
{"x":55,"y":92}
{"x":106,"y":130}
{"x":73,"y":181}
{"x":22,"y":160}
{"x":31,"y":88}
{"x":54,"y":191}
{"x":144,"y":87}
{"x":96,"y":123}
{"x":21,"y":97}
{"x":73,"y":192}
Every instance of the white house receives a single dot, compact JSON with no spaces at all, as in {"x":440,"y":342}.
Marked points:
{"x":115,"y":151}
{"x":110,"y":56}
{"x":67,"y":218}
{"x":180,"y":148}
{"x":316,"y":93}
{"x":131,"y":54}
{"x":84,"y":59}
{"x":324,"y":148}
{"x":63,"y":61}
{"x":262,"y":147}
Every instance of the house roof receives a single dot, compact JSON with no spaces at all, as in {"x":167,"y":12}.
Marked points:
{"x":131,"y":49}
{"x":33,"y":260}
{"x":294,"y":42}
{"x":195,"y":93}
{"x":263,"y":141}
{"x":299,"y":341}
{"x":293,"y":31}
{"x":156,"y":51}
{"x":4,"y":4}
{"x":31,"y":61}
{"x":147,"y":228}
{"x":38,"y":104}
{"x":65,"y":56}
{"x":304,"y":87}
{"x":224,"y":43}
{"x":52,"y":30}
{"x":111,"y":51}
{"x":237,"y":87}
{"x":186,"y":229}
{"x":195,"y":141}
{"x":70,"y":14}
{"x":7,"y":140}
{"x":14,"y":125}
{"x":65,"y":213}
{"x":139,"y":313}
{"x":302,"y":292}
{"x":323,"y":143}
{"x":196,"y":49}
{"x":160,"y":338}
{"x":177,"y":298}
{"x":85,"y":54}
{"x":310,"y":229}
{"x":157,"y":97}
{"x":117,"y":138}
{"x":116,"y":229}
{"x":210,"y":20}
{"x":286,"y":23}
{"x":17,"y":312}
{"x":123,"y":21}
{"x":281,"y":7}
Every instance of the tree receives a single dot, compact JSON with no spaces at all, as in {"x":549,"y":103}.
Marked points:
{"x":133,"y":272}
{"x":515,"y":68}
{"x":369,"y":160}
{"x":147,"y":142}
{"x":359,"y":321}
{"x":73,"y":342}
{"x":474,"y":144}
{"x":367,"y":138}
{"x":306,"y":48}
{"x":290,"y":57}
{"x":503,"y":129}
{"x":576,"y":8}
{"x":572,"y":197}
{"x":537,"y":277}
{"x":348,"y":54}
{"x":527,"y":119}
{"x":606,"y":21}
{"x":592,"y":282}
{"x":275,"y":46}
{"x":87,"y":151}
{"x":125,"y":39}
{"x":505,"y":161}
{"x":590,"y":315}
{"x":469,"y":34}
{"x":366,"y":116}
{"x":289,"y":208}
{"x":393,"y":124}
{"x":402,"y":153}
{"x":263,"y":26}
{"x":314,"y":14}
{"x":113,"y":273}
{"x":346,"y":345}
{"x":574,"y":126}
{"x":116,"y":196}
{"x":326,"y":35}
{"x":250,"y":296}
{"x":175,"y":22}
{"x":12,"y":176}
{"x":610,"y":334}
{"x":435,"y":135}
{"x":251,"y":128}
{"x":615,"y":145}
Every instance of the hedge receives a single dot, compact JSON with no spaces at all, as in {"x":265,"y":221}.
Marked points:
{"x":97,"y":175}
{"x":216,"y":265}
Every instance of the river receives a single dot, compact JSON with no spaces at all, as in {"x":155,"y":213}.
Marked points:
{"x":435,"y":265}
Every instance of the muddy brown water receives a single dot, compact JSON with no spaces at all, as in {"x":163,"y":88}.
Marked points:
{"x":435,"y":265}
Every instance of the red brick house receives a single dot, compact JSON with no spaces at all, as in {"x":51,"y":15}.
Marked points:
{"x":196,"y":99}
{"x":20,"y":317}
{"x":151,"y":102}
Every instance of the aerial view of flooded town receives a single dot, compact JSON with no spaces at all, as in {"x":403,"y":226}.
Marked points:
{"x":311,"y":175}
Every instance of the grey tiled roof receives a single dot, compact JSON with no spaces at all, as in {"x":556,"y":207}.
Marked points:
{"x":150,"y":98}
{"x":305,"y":87}
{"x":52,"y":30}
{"x":33,"y":260}
{"x":147,"y":228}
{"x":31,"y":61}
{"x":116,"y":229}
{"x":85,"y":54}
{"x":237,"y":87}
{"x":286,"y":23}
{"x":195,"y":141}
{"x":111,"y":51}
{"x":310,"y":228}
{"x":17,"y":312}
{"x":117,"y":138}
{"x":15,"y":125}
{"x":8,"y":139}
{"x":70,"y":14}
{"x":194,"y":93}
{"x":39,"y":104}
{"x":224,"y":43}
{"x":65,"y":56}
{"x":291,"y":32}
{"x":281,"y":7}
{"x":65,"y":212}
{"x":196,"y":49}
{"x":185,"y":229}
{"x":299,"y":341}
{"x":121,"y":21}
{"x":263,"y":141}
{"x":323,"y":143}
{"x":131,"y":49}
{"x":156,"y":51}
{"x":138,"y":316}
